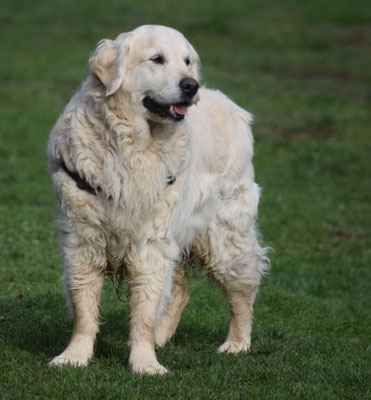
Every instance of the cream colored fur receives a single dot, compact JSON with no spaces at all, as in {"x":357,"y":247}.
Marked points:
{"x":137,"y":221}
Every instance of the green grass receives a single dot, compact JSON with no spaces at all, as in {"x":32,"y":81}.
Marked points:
{"x":303,"y":70}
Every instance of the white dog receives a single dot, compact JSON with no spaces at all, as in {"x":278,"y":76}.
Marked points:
{"x":148,"y":168}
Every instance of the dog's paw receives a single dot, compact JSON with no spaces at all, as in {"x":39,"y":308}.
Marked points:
{"x":153,"y":369}
{"x":143,"y":360}
{"x":233,"y":347}
{"x":69,"y":359}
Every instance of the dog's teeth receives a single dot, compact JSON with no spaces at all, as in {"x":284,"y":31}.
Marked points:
{"x":171,"y":109}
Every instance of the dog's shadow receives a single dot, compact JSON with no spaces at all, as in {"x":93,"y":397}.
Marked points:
{"x":41,"y":325}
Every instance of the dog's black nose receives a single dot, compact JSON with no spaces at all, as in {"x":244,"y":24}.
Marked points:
{"x":189,"y":86}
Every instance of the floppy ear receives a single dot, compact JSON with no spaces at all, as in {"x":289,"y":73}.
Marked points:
{"x":108,"y":64}
{"x":196,"y":57}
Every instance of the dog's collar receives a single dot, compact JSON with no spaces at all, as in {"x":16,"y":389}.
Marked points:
{"x":170,"y":180}
{"x":82,"y":184}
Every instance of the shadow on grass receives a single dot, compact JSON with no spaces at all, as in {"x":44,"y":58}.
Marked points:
{"x":40,"y":324}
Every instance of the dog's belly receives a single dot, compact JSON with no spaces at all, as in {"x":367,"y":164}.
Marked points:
{"x":195,"y":228}
{"x":184,"y":222}
{"x":196,"y":210}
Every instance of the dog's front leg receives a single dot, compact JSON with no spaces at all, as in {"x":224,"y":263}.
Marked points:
{"x":83,"y":279}
{"x":151,"y":270}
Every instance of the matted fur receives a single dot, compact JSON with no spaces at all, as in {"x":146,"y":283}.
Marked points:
{"x":138,"y":223}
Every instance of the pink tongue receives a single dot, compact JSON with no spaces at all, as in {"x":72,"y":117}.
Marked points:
{"x":182,"y":110}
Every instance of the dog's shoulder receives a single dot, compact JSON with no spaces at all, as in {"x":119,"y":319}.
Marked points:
{"x":221,"y":130}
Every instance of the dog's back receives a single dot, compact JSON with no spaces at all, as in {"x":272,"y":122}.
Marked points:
{"x":144,"y":173}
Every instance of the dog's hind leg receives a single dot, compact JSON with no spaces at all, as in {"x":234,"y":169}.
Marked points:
{"x":240,"y":295}
{"x":171,"y":317}
{"x":236,"y":261}
{"x":83,"y":279}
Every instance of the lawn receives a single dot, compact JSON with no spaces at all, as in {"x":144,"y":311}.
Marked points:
{"x":303,"y":70}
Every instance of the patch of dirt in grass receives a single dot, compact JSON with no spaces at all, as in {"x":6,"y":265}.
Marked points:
{"x":339,"y":233}
{"x":356,"y":36}
{"x":317,"y":131}
{"x":339,"y":76}
{"x":317,"y":74}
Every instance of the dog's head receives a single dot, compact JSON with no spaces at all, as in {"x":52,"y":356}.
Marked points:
{"x":155,"y":65}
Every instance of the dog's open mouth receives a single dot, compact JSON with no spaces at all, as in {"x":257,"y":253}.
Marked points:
{"x":175,"y":112}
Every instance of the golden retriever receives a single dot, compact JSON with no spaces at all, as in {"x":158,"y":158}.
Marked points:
{"x":148,"y":167}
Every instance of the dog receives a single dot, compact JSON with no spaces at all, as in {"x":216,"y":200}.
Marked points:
{"x":149,"y":167}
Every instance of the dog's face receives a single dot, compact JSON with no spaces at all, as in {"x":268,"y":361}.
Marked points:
{"x":155,"y":65}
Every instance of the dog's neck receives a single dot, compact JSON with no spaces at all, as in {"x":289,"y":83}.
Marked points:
{"x":130,"y":128}
{"x":162,"y":131}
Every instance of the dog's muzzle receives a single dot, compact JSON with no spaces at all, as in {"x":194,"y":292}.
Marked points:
{"x":177,"y":111}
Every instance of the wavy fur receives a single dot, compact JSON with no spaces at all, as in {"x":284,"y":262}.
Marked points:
{"x":139,"y":224}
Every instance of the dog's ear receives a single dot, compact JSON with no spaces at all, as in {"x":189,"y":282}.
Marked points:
{"x":197,"y":64}
{"x":107,"y":62}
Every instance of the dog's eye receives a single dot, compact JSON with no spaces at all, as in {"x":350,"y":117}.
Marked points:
{"x":157,"y":59}
{"x":187,"y":61}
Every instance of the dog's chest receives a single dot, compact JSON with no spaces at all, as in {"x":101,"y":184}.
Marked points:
{"x":141,"y":181}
